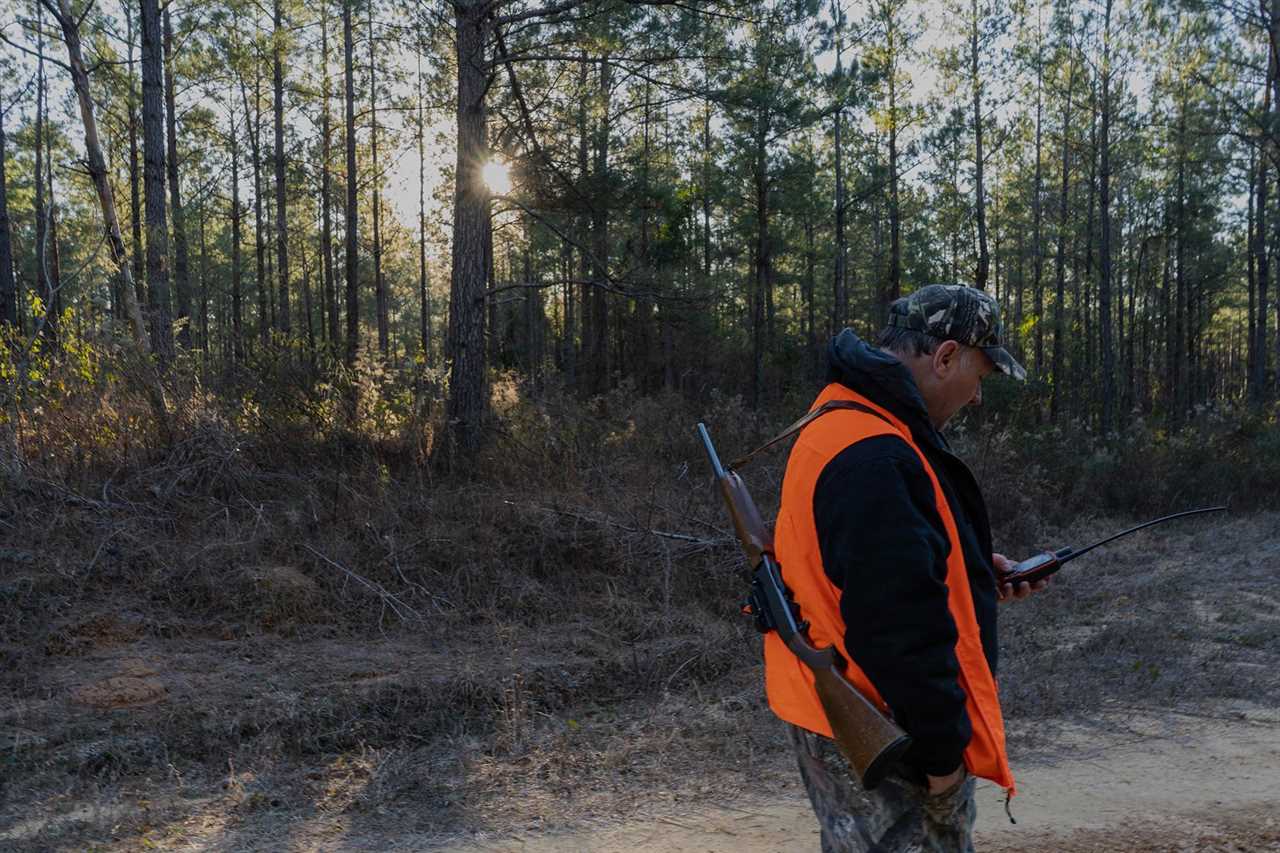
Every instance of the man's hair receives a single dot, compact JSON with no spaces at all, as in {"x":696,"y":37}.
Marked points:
{"x":907,"y":342}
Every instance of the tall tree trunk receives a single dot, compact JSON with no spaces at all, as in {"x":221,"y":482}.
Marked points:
{"x":584,"y":223}
{"x":352,"y":251}
{"x":1086,"y":376}
{"x":97,"y":168}
{"x":204,"y":293}
{"x":840,"y":297}
{"x":1178,"y":376}
{"x":204,"y":290}
{"x":1252,"y":253}
{"x":52,"y":255}
{"x":153,"y":152}
{"x":326,"y":189}
{"x":135,"y":168}
{"x":1059,"y":307}
{"x":1273,"y":41}
{"x":237,"y":265}
{"x":1104,"y":280}
{"x":810,"y":293}
{"x":181,"y":260}
{"x":763,"y":261}
{"x":379,"y":285}
{"x":706,"y":194}
{"x":8,"y":283}
{"x":282,"y":210}
{"x":984,"y":257}
{"x":598,"y":357}
{"x":1135,"y":282}
{"x":466,"y":405}
{"x":1257,"y":331}
{"x":424,"y":298}
{"x":309,"y":326}
{"x":1037,"y":207}
{"x":254,"y":126}
{"x":893,"y":289}
{"x":41,"y":211}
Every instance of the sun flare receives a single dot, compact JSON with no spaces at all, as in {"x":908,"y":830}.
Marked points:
{"x":497,"y":177}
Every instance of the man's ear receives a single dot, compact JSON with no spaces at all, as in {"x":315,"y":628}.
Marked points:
{"x":946,"y":357}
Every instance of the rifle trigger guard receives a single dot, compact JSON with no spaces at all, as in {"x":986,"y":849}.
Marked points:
{"x":756,"y":607}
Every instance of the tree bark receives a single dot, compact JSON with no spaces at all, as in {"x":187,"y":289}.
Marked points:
{"x":51,"y":254}
{"x":1178,"y":375}
{"x":181,"y":259}
{"x":763,"y":259}
{"x":352,"y":251}
{"x":1037,"y":207}
{"x":237,"y":239}
{"x":282,"y":211}
{"x":424,"y":297}
{"x":598,"y":356}
{"x":40,"y":248}
{"x":840,"y":296}
{"x":466,"y":405}
{"x":8,"y":283}
{"x":135,"y":170}
{"x":1104,"y":206}
{"x":329,"y":294}
{"x":984,"y":256}
{"x":1257,"y":332}
{"x":204,"y":292}
{"x":1059,"y":307}
{"x":259,"y":241}
{"x":1251,"y":320}
{"x":153,"y":152}
{"x":379,"y":284}
{"x":584,"y":224}
{"x":894,"y":287}
{"x":1273,"y":41}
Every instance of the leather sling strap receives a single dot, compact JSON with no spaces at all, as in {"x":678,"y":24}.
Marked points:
{"x":809,"y":417}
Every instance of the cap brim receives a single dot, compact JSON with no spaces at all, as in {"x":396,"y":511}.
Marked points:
{"x":1008,"y":364}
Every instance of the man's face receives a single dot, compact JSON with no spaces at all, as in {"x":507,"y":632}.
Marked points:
{"x":959,"y":371}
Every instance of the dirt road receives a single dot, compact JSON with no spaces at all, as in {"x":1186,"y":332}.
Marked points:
{"x":1149,"y":783}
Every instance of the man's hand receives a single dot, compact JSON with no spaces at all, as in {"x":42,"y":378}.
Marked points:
{"x":1007,"y":591}
{"x":941,"y":784}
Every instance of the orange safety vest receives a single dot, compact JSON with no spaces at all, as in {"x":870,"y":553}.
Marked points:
{"x":788,"y":683}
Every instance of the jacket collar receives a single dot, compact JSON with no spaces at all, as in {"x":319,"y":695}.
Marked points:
{"x":883,"y":379}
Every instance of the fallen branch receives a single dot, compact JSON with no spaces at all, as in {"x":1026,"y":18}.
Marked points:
{"x":388,"y":598}
{"x":609,"y":522}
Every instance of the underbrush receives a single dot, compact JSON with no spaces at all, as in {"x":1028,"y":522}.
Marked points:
{"x":581,"y":565}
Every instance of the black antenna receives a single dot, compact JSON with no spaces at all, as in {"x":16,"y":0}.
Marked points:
{"x":1082,"y":551}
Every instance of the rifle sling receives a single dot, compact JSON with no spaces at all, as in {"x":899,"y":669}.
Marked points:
{"x":809,"y":417}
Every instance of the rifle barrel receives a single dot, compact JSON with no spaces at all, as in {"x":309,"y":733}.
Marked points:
{"x":711,"y":451}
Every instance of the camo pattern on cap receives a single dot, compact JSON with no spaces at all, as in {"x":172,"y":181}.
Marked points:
{"x":954,"y":312}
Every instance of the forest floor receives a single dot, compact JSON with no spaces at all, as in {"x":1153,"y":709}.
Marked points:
{"x":1129,"y":779}
{"x":1142,"y":693}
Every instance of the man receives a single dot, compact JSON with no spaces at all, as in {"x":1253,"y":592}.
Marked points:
{"x":884,"y":541}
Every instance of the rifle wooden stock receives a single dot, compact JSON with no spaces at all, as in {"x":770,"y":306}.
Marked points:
{"x":869,"y":740}
{"x":753,"y":534}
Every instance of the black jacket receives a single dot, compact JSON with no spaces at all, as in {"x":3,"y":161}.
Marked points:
{"x":883,"y":544}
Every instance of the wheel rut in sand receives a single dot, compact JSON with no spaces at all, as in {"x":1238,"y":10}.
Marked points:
{"x":1141,"y":782}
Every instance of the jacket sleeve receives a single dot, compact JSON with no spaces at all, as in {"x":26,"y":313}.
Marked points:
{"x":884,"y":545}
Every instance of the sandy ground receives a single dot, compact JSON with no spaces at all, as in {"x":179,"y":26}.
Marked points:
{"x":1156,"y":783}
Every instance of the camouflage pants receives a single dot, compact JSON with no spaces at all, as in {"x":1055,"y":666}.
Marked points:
{"x":899,"y":816}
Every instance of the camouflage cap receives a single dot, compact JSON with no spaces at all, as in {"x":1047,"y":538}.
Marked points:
{"x":954,"y":312}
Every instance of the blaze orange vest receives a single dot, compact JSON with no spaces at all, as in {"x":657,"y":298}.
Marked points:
{"x":788,"y":683}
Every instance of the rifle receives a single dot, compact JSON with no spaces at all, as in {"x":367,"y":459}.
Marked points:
{"x":869,"y":740}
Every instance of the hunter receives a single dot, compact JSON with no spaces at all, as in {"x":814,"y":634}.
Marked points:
{"x":884,"y":540}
